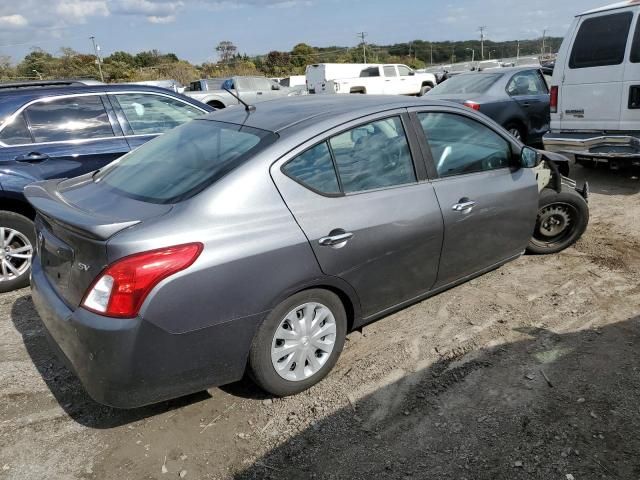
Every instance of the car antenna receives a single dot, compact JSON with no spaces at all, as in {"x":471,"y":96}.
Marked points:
{"x":247,"y":107}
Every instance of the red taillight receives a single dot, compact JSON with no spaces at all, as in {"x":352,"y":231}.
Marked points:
{"x":472,"y":105}
{"x":122,"y":287}
{"x":553,"y":100}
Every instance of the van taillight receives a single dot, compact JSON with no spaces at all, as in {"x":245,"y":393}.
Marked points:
{"x":553,"y":101}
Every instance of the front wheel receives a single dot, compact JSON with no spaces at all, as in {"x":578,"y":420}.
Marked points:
{"x":298,"y":343}
{"x":562,"y":219}
{"x":424,"y":90}
{"x":17,"y":238}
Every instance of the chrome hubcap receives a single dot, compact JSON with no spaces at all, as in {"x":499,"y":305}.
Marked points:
{"x":16,"y":253}
{"x":303,"y":341}
{"x":516,"y":133}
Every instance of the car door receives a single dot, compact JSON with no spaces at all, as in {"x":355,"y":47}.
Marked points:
{"x":391,"y":81}
{"x":529,"y":90}
{"x":370,"y":216}
{"x":489,"y":207}
{"x":63,"y":136}
{"x":246,"y":88}
{"x":145,"y":115}
{"x":408,"y":83}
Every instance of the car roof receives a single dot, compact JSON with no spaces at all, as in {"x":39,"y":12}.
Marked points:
{"x":612,"y":6}
{"x":503,"y":70}
{"x":64,"y":89}
{"x":298,"y":112}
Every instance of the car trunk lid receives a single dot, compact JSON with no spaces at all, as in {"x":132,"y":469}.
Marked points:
{"x":72,"y":240}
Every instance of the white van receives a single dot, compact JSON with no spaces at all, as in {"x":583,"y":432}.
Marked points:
{"x":595,"y":89}
{"x":320,"y":74}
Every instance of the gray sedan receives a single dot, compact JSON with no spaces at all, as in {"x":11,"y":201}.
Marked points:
{"x":516,"y":98}
{"x":255,"y":240}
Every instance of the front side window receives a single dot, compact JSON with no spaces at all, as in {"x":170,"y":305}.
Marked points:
{"x":16,"y":132}
{"x":601,"y":41}
{"x":314,"y":169}
{"x":181,"y":163}
{"x":635,"y":46}
{"x":461,"y":145}
{"x":154,"y":114}
{"x":374,"y":155}
{"x":404,"y":71}
{"x":72,"y":118}
{"x":527,"y":82}
{"x":390,"y":71}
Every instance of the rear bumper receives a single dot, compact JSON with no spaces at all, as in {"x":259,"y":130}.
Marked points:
{"x":130,"y":363}
{"x":595,"y":146}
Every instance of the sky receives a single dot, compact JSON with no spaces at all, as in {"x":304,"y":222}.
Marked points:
{"x":192,"y":28}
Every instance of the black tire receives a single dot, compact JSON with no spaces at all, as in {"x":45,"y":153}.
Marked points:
{"x":24,"y":226}
{"x":424,"y":90}
{"x":260,"y":366}
{"x":568,"y":204}
{"x":516,"y":131}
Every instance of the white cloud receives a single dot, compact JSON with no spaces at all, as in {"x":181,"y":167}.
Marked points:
{"x":156,"y":19}
{"x":77,"y":11}
{"x":13,"y":21}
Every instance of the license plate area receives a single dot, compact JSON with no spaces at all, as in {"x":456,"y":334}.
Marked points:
{"x":56,"y":258}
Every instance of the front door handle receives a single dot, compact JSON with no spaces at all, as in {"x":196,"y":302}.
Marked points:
{"x":335,"y":239}
{"x":32,"y":157}
{"x":465,"y":206}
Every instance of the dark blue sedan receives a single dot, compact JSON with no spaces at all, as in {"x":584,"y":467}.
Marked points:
{"x":516,"y":98}
{"x":64,"y":129}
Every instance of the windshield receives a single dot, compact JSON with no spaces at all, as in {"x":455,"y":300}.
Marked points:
{"x":478,"y":83}
{"x":181,"y":163}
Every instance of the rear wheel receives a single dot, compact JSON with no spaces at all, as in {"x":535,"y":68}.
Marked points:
{"x":562,"y":219}
{"x":516,"y":131}
{"x":17,"y":240}
{"x":298,"y":343}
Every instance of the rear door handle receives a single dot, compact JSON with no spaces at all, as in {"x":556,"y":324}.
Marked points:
{"x":32,"y":157}
{"x":464,"y":206}
{"x":337,"y":241}
{"x":258,"y":93}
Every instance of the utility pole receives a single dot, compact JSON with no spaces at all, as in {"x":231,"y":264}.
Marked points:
{"x":362,"y":36}
{"x":482,"y":29}
{"x":544,"y":35}
{"x":518,"y":53}
{"x":431,"y":53}
{"x":95,"y":50}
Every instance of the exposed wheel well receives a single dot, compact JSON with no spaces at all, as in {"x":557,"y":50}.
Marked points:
{"x":216,"y":104}
{"x":428,"y":84}
{"x":17,"y":206}
{"x":358,"y":90}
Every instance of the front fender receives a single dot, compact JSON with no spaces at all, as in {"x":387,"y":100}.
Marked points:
{"x":12,"y":182}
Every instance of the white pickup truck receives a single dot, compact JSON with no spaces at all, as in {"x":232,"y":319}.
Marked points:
{"x":389,"y":79}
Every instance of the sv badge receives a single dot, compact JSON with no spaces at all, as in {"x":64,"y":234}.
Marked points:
{"x":83,"y":266}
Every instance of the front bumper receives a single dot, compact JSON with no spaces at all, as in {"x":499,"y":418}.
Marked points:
{"x":595,"y":146}
{"x":129,"y":363}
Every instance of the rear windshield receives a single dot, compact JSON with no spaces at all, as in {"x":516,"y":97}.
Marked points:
{"x":184,"y":161}
{"x":478,"y":83}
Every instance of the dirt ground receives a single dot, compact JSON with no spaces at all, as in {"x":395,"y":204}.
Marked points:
{"x":531,"y":371}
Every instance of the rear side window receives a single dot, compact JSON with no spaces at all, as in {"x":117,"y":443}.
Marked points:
{"x":72,"y":118}
{"x":16,"y":132}
{"x":152,"y":114}
{"x":374,"y":155}
{"x":601,"y":41}
{"x":314,"y":169}
{"x":183,"y":162}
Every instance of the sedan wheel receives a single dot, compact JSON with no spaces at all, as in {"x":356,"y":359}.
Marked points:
{"x":303,"y":341}
{"x":16,"y":247}
{"x":298,"y":343}
{"x":515,"y":132}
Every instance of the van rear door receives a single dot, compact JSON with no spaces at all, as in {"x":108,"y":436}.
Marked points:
{"x":592,"y":90}
{"x":630,"y":114}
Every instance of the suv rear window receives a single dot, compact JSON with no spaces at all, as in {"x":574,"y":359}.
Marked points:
{"x":184,"y":161}
{"x":601,"y":41}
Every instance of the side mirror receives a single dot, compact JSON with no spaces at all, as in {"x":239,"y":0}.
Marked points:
{"x":530,"y":157}
{"x":412,"y":73}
